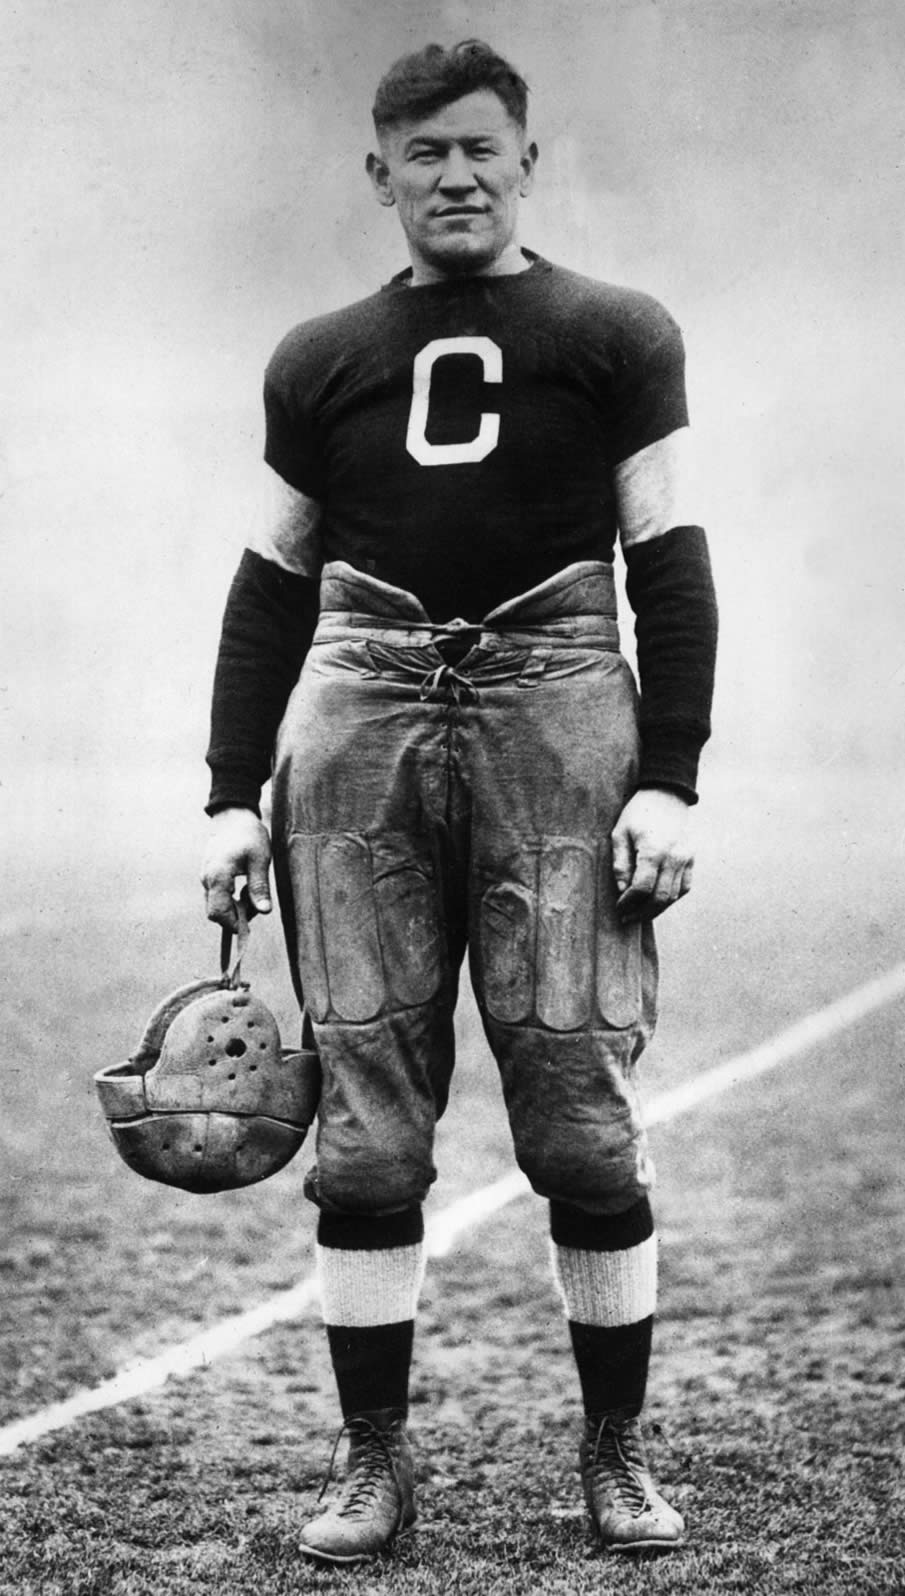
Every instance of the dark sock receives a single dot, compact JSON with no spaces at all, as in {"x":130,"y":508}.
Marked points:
{"x":378,"y":1260}
{"x":612,"y":1359}
{"x":371,"y":1365}
{"x":612,"y":1365}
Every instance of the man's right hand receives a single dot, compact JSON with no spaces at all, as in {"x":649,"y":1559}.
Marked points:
{"x":239,"y":846}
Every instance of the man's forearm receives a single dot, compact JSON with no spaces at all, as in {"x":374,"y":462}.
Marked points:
{"x":268,"y":625}
{"x":670,"y":588}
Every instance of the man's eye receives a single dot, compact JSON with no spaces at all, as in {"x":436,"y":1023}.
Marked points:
{"x":424,"y":155}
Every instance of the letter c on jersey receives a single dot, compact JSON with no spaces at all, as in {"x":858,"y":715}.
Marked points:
{"x":436,"y":454}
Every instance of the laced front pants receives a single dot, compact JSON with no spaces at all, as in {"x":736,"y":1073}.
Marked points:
{"x":427,"y":801}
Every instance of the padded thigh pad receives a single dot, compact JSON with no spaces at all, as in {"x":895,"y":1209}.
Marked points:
{"x":368,"y":924}
{"x":551,"y":949}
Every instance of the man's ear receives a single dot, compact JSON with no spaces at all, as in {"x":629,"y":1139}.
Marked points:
{"x":528,"y":164}
{"x":379,"y":173}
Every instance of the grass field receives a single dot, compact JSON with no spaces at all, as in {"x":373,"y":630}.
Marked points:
{"x":776,"y":1403}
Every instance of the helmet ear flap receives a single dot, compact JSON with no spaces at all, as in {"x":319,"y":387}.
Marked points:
{"x":210,"y":1100}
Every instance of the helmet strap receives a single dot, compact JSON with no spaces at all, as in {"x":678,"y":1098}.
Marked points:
{"x":231,"y":977}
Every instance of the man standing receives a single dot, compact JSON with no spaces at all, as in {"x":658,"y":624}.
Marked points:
{"x":462,"y":761}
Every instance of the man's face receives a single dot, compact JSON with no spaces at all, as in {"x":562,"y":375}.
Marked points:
{"x":456,"y":177}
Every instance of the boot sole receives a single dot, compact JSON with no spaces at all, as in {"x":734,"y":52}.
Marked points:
{"x":318,"y":1555}
{"x":643,"y":1546}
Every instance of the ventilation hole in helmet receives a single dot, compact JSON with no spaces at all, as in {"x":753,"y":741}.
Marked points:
{"x":165,"y":1146}
{"x":212,"y":1061}
{"x":231,"y":1076}
{"x":263,"y":1046}
{"x":252,"y":1066}
{"x":251,"y":1024}
{"x":198,"y":1147}
{"x":210,"y":1038}
{"x":235,"y":1047}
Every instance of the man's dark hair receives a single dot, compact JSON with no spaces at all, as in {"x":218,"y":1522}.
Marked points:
{"x":417,"y":85}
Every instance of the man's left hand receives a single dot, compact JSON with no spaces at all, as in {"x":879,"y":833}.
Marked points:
{"x":652,"y":857}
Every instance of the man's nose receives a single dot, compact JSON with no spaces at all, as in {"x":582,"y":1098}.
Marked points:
{"x":457,"y":171}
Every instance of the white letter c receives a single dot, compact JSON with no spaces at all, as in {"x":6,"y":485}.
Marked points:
{"x":477,"y":448}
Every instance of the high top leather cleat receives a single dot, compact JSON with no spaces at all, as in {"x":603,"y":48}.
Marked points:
{"x":628,"y":1513}
{"x":377,"y":1496}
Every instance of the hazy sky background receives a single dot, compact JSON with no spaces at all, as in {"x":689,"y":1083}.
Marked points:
{"x":185,"y":181}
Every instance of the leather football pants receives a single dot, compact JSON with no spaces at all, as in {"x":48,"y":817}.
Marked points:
{"x":429,"y":799}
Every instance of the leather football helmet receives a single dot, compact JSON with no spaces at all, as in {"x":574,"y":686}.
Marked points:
{"x":210,"y":1099}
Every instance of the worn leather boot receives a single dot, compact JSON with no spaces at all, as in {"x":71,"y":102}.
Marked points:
{"x":377,"y":1496}
{"x":628,"y":1513}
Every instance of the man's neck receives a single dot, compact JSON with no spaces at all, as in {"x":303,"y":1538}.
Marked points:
{"x":507,"y":264}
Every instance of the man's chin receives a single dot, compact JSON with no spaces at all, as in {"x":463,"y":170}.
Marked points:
{"x":460,"y":256}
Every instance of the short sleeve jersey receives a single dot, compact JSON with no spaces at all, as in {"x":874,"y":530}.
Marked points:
{"x":461,"y":436}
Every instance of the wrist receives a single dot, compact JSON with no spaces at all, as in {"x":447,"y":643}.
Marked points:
{"x":233,"y":792}
{"x":228,"y":811}
{"x":669,"y":758}
{"x":685,"y":795}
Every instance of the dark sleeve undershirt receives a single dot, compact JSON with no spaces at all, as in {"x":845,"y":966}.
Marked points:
{"x":271,"y":615}
{"x":268,"y":625}
{"x":670,"y":588}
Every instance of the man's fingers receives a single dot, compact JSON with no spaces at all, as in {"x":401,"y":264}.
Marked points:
{"x":219,"y":883}
{"x":636,"y":896}
{"x":238,"y":849}
{"x":622,"y":859}
{"x":259,"y":886}
{"x":666,"y":891}
{"x":219,"y":904}
{"x":652,"y":856}
{"x":655,"y":886}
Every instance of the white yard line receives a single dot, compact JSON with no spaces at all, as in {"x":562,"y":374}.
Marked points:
{"x":446,"y":1227}
{"x":788,"y":1044}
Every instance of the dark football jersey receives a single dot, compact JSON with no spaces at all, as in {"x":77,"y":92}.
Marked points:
{"x":461,"y":435}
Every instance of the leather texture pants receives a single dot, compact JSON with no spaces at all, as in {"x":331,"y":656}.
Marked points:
{"x":439,"y":789}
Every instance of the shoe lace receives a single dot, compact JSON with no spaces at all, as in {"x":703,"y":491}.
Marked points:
{"x":617,"y":1455}
{"x":461,"y":688}
{"x":374,"y":1455}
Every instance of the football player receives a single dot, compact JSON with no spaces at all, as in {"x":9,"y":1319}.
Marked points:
{"x":423,"y":651}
